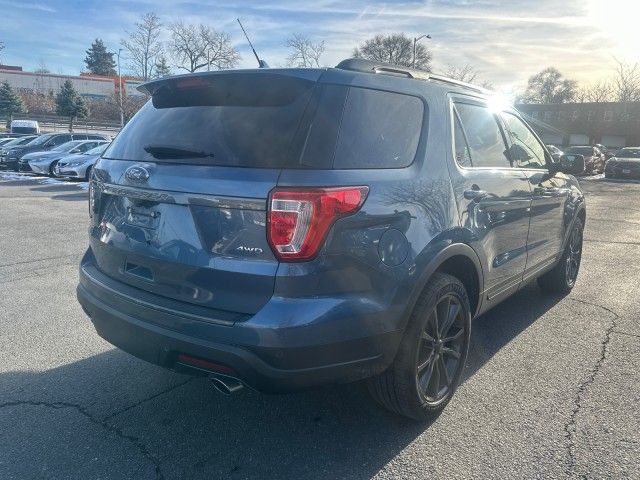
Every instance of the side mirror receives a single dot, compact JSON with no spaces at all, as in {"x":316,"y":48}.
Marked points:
{"x":572,"y":164}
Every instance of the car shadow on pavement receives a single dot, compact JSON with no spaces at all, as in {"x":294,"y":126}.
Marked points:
{"x":72,"y":197}
{"x":56,"y":187}
{"x":185,"y":429}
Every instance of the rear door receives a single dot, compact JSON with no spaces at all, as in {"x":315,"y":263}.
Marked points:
{"x":493,"y":195}
{"x":180,"y":195}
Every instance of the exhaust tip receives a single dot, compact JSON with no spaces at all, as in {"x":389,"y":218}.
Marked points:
{"x":226,"y":385}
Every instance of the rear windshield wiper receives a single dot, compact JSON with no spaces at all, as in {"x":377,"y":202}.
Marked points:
{"x":165,"y":151}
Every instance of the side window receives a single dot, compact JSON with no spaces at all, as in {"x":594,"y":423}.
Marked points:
{"x":525,"y":148}
{"x":484,"y":138}
{"x":59,"y":140}
{"x":463,"y":156}
{"x":378,"y":130}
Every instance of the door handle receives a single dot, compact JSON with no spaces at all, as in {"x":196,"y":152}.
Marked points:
{"x":475,"y":194}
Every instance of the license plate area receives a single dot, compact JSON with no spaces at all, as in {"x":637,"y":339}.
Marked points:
{"x":626,"y":170}
{"x":142,"y":217}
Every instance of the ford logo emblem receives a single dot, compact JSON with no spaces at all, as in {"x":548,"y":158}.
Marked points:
{"x":136,"y":174}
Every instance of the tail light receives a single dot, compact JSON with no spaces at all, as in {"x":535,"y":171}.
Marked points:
{"x":299,"y":219}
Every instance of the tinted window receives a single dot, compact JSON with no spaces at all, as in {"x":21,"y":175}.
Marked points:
{"x":525,"y":147}
{"x":483,"y":136}
{"x":378,"y":130}
{"x":42,"y":139}
{"x":463,"y":155}
{"x":272,"y":121}
{"x":246,"y":120}
{"x":79,"y":136}
{"x":628,"y":152}
{"x":59,"y":140}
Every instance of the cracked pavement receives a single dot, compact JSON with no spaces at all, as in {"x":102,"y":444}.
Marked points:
{"x":551,"y":387}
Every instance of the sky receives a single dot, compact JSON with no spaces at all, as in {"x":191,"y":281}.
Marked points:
{"x":505,"y":41}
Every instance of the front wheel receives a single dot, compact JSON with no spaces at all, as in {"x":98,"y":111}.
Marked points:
{"x":562,"y":278}
{"x":431,"y":356}
{"x":52,"y":168}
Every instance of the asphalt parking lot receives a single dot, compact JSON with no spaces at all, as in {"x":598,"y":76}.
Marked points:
{"x":551,"y":390}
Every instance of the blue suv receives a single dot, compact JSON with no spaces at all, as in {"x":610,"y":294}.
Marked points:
{"x":287,"y":228}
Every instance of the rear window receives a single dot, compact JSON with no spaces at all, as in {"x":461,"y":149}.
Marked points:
{"x":272,"y":121}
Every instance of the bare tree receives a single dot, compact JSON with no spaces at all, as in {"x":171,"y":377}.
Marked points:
{"x":599,"y":92}
{"x":42,"y":67}
{"x":144,"y":45}
{"x":1,"y":47}
{"x":466,"y":73}
{"x":469,"y":74}
{"x":198,"y":46}
{"x":549,"y":86}
{"x":626,"y":83}
{"x":304,"y":52}
{"x":396,"y":49}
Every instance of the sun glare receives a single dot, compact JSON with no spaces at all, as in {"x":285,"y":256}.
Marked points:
{"x":619,"y":20}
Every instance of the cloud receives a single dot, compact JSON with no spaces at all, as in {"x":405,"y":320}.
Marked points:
{"x":506,"y":41}
{"x":27,"y":6}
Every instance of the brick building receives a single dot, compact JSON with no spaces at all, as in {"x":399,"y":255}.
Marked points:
{"x":564,"y":124}
{"x":87,"y":85}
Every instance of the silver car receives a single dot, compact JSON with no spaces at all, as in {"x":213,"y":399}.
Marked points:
{"x":79,"y":165}
{"x":45,"y":162}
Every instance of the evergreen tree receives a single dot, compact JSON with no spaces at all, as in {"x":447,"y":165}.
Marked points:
{"x":10,"y":102}
{"x":162,"y":68}
{"x":99,"y":61}
{"x":70,"y":104}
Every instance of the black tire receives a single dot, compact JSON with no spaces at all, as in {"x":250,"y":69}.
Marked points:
{"x":51,"y":168}
{"x":87,"y":173}
{"x":410,"y":386}
{"x":562,"y":278}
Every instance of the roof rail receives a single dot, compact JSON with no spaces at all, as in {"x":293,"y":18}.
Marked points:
{"x":370,"y":66}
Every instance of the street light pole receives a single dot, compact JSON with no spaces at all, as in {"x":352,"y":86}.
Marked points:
{"x":120,"y":91}
{"x":415,"y":41}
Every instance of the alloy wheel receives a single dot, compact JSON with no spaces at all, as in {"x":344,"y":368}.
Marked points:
{"x":441,"y":346}
{"x":574,"y":255}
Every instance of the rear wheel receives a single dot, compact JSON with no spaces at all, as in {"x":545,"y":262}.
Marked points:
{"x":562,"y":278}
{"x":429,"y":363}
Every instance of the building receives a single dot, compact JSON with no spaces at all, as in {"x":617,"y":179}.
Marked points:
{"x":87,"y":85}
{"x":609,"y":123}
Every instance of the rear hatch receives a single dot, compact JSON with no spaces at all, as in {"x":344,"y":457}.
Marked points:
{"x":179,"y":198}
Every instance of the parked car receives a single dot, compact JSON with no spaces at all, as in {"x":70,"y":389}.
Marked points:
{"x":626,"y":164}
{"x":25,"y":127}
{"x":287,"y":228}
{"x":43,"y":143}
{"x":13,"y":142}
{"x":555,"y":152}
{"x":45,"y":162}
{"x":79,"y":165}
{"x":593,"y":158}
{"x":5,"y":140}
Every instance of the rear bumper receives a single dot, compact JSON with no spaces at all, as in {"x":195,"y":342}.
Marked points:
{"x":268,"y":359}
